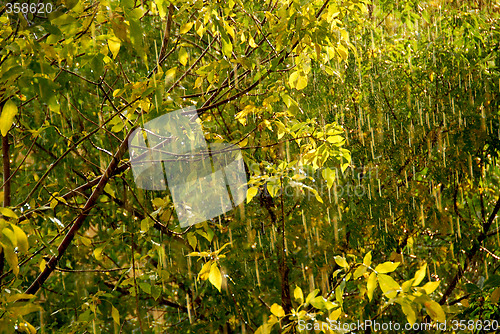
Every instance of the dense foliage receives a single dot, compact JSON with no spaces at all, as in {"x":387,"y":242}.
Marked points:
{"x":370,"y":132}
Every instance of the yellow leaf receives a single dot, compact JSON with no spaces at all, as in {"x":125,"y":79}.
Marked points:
{"x":329,"y":175}
{"x":388,"y":285}
{"x":359,"y":271}
{"x":205,"y":270}
{"x":22,"y":240}
{"x":42,"y":264}
{"x":429,"y":287}
{"x":114,"y":45}
{"x":9,"y":111}
{"x":371,"y":284}
{"x":8,"y":212}
{"x":251,"y":192}
{"x":420,"y":274}
{"x":11,"y":236}
{"x":409,"y":312}
{"x":495,"y":295}
{"x":98,"y":253}
{"x":386,"y":267}
{"x":11,"y":258}
{"x":301,"y":82}
{"x":227,"y":48}
{"x":18,"y":296}
{"x":335,"y":314}
{"x":298,"y":295}
{"x":185,"y":28}
{"x":115,"y":315}
{"x":293,"y":78}
{"x":435,"y":311}
{"x":367,"y":260}
{"x":183,"y":56}
{"x":215,"y":276}
{"x":277,"y":310}
{"x":198,"y":82}
{"x":342,"y":52}
{"x":251,"y":42}
{"x":170,"y":74}
{"x":341,"y":261}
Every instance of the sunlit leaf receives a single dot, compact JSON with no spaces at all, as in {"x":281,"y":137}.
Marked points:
{"x":371,"y":284}
{"x":429,"y":287}
{"x":22,"y":239}
{"x":386,"y":267}
{"x":251,"y":192}
{"x":388,"y":285}
{"x":185,"y":28}
{"x":277,"y":310}
{"x":435,"y":311}
{"x":298,"y":295}
{"x":114,"y":44}
{"x":215,"y":276}
{"x":183,"y":56}
{"x":420,"y":274}
{"x":367,"y":260}
{"x":341,"y":261}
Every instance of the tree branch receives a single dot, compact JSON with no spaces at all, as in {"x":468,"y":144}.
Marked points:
{"x":51,"y":265}
{"x":477,"y":245}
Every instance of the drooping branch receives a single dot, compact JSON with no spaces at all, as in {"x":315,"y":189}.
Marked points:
{"x":477,"y":245}
{"x":51,"y":265}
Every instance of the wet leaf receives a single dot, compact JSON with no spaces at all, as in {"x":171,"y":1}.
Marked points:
{"x":9,"y":111}
{"x":341,"y":261}
{"x":420,"y":274}
{"x":298,"y":295}
{"x":371,"y":284}
{"x":386,"y":267}
{"x":277,"y":310}
{"x":215,"y":276}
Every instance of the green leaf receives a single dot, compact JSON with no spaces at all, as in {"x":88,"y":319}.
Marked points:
{"x":321,"y":303}
{"x":115,"y":315}
{"x":277,"y":310}
{"x":495,"y":295}
{"x":215,"y":276}
{"x":492,"y":282}
{"x":386,"y":267}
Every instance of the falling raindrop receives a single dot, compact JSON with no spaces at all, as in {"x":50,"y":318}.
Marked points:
{"x":257,"y":270}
